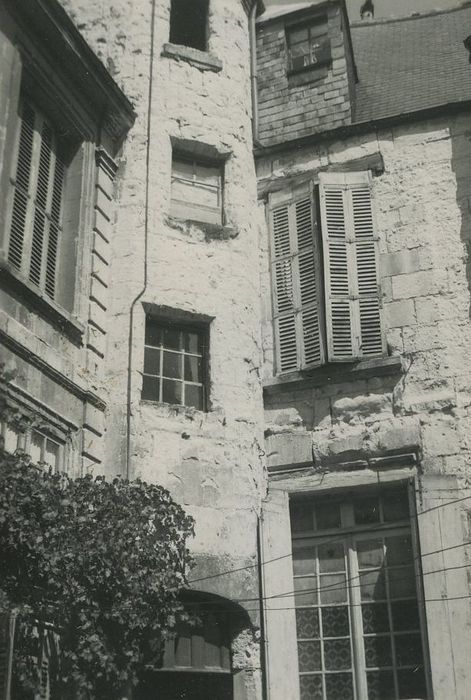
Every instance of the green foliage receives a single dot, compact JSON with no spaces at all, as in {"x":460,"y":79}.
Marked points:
{"x":101,"y":560}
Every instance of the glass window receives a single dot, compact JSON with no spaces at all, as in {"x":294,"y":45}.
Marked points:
{"x":44,"y":451}
{"x":308,"y":45}
{"x":188,"y":23}
{"x":357,"y":612}
{"x":174,"y":365}
{"x":196,"y":190}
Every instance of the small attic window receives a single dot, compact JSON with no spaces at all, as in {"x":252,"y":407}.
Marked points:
{"x":189,"y":22}
{"x":308,"y":44}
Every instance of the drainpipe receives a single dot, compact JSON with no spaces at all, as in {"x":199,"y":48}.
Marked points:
{"x":263,"y":630}
{"x":253,"y":70}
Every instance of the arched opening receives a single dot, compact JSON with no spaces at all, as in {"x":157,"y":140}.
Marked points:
{"x":197,"y":660}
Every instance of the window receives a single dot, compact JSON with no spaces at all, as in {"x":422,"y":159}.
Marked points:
{"x":196,"y":190}
{"x":175,"y":359}
{"x":325,"y":280}
{"x":188,"y":23}
{"x":43,"y":449}
{"x":357,"y":610}
{"x":197,"y":659}
{"x":308,"y":45}
{"x":39,"y":207}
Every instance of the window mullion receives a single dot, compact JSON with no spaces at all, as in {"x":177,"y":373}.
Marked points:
{"x":356,"y":622}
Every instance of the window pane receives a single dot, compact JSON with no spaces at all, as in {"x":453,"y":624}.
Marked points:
{"x":193,"y":369}
{"x":395,"y":507}
{"x":309,"y":656}
{"x":193,"y":342}
{"x":402,"y":582}
{"x":304,"y":560}
{"x":311,"y":688}
{"x":339,"y":686}
{"x":309,"y":585}
{"x":412,"y":683}
{"x":151,"y":361}
{"x":337,"y":656}
{"x":172,"y":365}
{"x":194,"y":396}
{"x":331,"y":558}
{"x":307,"y":623}
{"x":408,"y":649}
{"x":208,"y":175}
{"x":335,"y":622}
{"x":405,"y":615}
{"x":370,"y":554}
{"x":381,"y":685}
{"x":378,"y":651}
{"x":171,"y":391}
{"x":204,"y":196}
{"x":301,"y":517}
{"x":183,"y":650}
{"x":10,"y":439}
{"x":297,"y":35}
{"x":366,"y":510}
{"x":51,"y":455}
{"x":375,"y":618}
{"x":398,"y":550}
{"x":182,"y":168}
{"x":372,"y":585}
{"x":150,"y":388}
{"x":36,"y":447}
{"x":172,"y":339}
{"x":327,"y":516}
{"x":153,"y":334}
{"x":333,"y":588}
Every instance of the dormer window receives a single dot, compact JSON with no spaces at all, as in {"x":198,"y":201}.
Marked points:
{"x":308,"y":44}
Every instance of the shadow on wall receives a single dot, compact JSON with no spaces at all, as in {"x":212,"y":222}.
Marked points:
{"x":461,"y":166}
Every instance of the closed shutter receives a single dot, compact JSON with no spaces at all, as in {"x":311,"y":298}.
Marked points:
{"x":295,"y":280}
{"x":36,"y":211}
{"x":352,"y":290}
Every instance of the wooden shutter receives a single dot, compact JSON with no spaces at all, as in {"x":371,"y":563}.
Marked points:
{"x":352,"y":290}
{"x":295,"y":280}
{"x":36,"y":211}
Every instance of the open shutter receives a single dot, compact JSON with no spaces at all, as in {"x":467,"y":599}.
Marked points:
{"x":295,"y":280}
{"x":353,"y":299}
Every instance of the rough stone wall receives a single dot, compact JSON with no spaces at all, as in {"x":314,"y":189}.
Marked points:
{"x":307,"y":102}
{"x":211,"y":462}
{"x":422,"y":205}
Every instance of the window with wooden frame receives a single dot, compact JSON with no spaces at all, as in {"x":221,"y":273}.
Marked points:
{"x":325,"y":278}
{"x":308,"y":44}
{"x":357,"y":585}
{"x":197,"y":189}
{"x":175,"y":364}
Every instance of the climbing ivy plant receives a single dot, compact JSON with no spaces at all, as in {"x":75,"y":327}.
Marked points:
{"x":101,"y":563}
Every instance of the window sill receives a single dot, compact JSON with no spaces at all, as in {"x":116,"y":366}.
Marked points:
{"x":46,"y":307}
{"x":200,"y":59}
{"x":334,"y":374}
{"x":212,"y":232}
{"x":188,"y":411}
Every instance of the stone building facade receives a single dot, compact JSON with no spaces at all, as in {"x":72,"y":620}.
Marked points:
{"x":255,"y":292}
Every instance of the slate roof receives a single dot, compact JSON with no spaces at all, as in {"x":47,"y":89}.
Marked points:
{"x":410,"y":64}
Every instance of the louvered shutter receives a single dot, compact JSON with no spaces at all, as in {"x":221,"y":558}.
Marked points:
{"x":352,"y":290}
{"x":36,"y":210}
{"x":295,"y":280}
